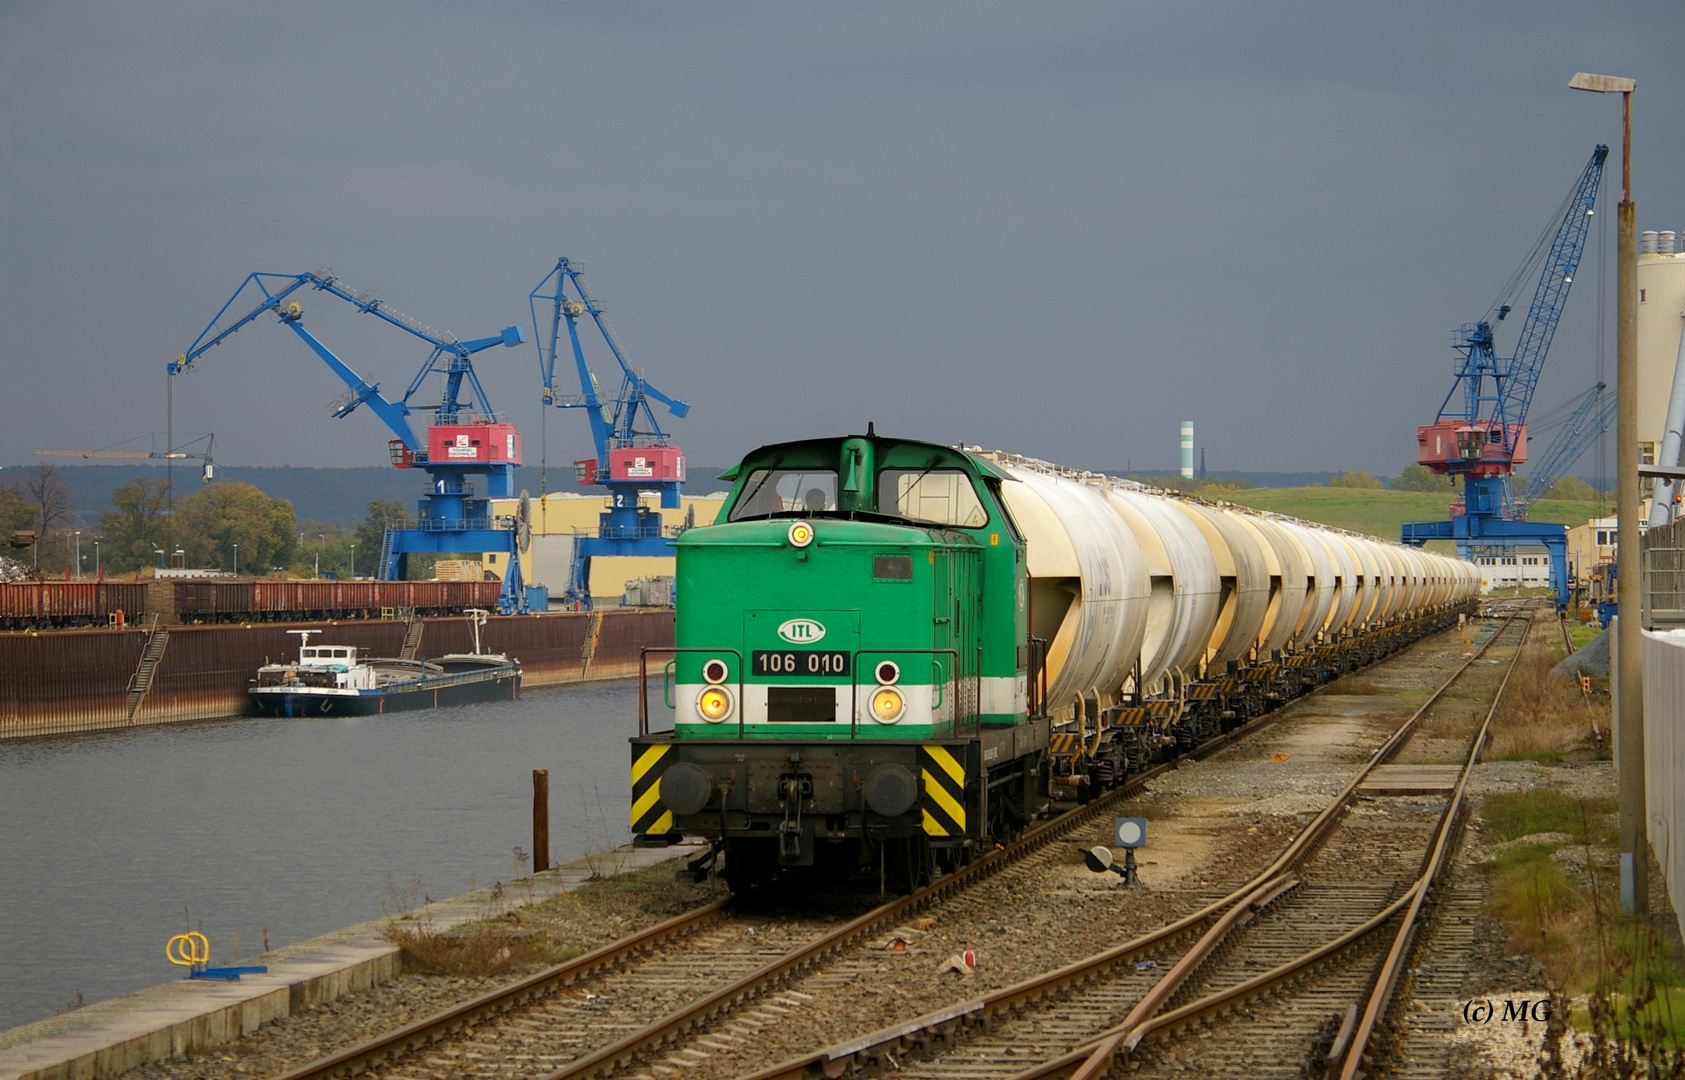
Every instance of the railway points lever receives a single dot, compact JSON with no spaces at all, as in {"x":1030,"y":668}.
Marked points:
{"x":1128,"y":833}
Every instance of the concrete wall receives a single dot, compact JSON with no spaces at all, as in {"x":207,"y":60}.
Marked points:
{"x":1661,"y":282}
{"x":57,"y":681}
{"x":1664,"y":757}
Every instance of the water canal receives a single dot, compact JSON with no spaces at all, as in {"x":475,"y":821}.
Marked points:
{"x":110,"y":842}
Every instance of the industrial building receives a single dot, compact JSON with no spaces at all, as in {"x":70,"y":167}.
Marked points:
{"x":1661,"y":315}
{"x":559,"y":518}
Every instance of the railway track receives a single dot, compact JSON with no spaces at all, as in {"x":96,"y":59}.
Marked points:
{"x":1293,"y":965}
{"x":606,"y":1010}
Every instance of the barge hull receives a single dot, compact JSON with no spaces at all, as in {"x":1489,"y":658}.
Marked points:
{"x":430,"y":694}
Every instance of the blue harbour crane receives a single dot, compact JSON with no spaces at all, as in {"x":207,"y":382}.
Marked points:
{"x":633,"y":454}
{"x":464,"y":439}
{"x":1480,"y":434}
{"x":1591,"y":417}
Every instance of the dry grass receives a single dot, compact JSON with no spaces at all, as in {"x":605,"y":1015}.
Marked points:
{"x":1552,"y":897}
{"x":1555,"y":893}
{"x":1546,"y":718}
{"x":479,"y":949}
{"x":550,"y":931}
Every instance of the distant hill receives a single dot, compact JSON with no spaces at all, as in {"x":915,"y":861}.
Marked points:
{"x":342,"y":495}
{"x":1256,"y":479}
{"x":336,"y":495}
{"x":1380,"y":513}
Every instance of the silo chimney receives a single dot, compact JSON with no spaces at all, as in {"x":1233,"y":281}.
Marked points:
{"x":1187,"y":449}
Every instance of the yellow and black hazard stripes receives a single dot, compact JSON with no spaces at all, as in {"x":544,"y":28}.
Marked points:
{"x":649,"y":817}
{"x":942,"y":791}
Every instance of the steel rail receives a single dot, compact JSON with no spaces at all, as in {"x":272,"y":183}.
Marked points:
{"x":943,"y":1024}
{"x":1093,"y":1058}
{"x":429,"y":1029}
{"x":1386,"y":982}
{"x":1123,"y":1037}
{"x":374,"y":1052}
{"x":1127,"y":1035}
{"x":778,"y":971}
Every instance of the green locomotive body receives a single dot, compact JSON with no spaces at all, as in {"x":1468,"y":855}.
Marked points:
{"x":891,"y":654}
{"x":852,"y":658}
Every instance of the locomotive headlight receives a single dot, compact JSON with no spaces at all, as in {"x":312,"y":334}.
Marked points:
{"x":801,"y":534}
{"x":887,"y":705}
{"x":714,"y":704}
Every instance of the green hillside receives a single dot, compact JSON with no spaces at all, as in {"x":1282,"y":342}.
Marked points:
{"x":1380,"y":513}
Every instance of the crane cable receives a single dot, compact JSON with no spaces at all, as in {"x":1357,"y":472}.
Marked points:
{"x":1530,"y":265}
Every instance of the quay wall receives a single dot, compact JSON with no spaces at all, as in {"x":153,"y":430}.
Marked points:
{"x":1664,"y":758}
{"x":56,"y":681}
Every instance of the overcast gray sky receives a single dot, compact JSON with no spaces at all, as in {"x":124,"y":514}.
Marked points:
{"x":1057,"y":229}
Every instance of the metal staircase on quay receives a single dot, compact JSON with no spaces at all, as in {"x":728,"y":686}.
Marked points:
{"x":141,"y":681}
{"x":412,"y":638}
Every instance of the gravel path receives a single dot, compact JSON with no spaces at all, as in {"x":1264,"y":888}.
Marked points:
{"x":574,"y":923}
{"x":1212,"y":825}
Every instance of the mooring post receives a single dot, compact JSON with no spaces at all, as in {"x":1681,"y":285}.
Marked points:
{"x":540,"y":820}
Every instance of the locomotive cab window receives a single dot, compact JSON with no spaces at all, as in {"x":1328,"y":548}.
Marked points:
{"x":768,"y":492}
{"x":936,"y":496}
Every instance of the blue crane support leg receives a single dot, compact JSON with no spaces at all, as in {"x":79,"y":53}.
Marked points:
{"x":1471,"y":531}
{"x":511,"y":600}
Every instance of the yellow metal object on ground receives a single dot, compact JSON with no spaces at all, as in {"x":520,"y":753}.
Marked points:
{"x":191,"y":949}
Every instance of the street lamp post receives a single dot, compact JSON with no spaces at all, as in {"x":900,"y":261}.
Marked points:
{"x":96,"y":558}
{"x":353,"y":562}
{"x":1629,"y":636}
{"x":236,"y":560}
{"x":78,"y":554}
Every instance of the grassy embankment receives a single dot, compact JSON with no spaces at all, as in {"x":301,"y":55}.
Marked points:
{"x":1380,"y":513}
{"x":1552,"y":869}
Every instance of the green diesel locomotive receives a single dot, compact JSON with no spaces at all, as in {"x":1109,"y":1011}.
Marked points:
{"x":892,"y":654}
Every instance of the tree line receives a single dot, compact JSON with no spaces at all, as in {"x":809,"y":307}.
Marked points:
{"x":211,"y":527}
{"x":221,"y":522}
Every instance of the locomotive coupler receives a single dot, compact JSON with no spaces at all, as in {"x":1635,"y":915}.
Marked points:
{"x":792,"y":788}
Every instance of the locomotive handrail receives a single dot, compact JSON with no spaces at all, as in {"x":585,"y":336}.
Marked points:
{"x":1038,"y":671}
{"x":674,"y":650}
{"x":854,"y":682}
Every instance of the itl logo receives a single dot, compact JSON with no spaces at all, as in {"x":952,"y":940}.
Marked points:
{"x":801,"y":631}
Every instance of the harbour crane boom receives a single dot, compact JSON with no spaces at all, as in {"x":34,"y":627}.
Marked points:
{"x":613,"y":424}
{"x":450,"y":356}
{"x":630,"y":459}
{"x":466,"y":438}
{"x":1483,"y":436}
{"x":1591,"y":417}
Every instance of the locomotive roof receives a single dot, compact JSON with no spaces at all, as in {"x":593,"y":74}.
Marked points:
{"x":889,"y":453}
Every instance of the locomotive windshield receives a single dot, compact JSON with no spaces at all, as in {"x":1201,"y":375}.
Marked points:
{"x":937,"y":496}
{"x":786,"y":491}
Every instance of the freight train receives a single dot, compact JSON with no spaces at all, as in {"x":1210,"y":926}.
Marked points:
{"x":891,"y":654}
{"x":40,"y":605}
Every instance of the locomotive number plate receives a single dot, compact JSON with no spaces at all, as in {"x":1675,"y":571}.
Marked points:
{"x":799,"y":662}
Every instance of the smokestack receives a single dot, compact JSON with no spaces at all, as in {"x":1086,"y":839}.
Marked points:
{"x":1187,"y":449}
